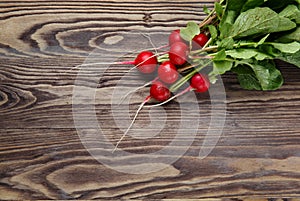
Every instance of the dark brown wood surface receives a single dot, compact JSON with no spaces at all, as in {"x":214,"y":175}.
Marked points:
{"x":41,"y":155}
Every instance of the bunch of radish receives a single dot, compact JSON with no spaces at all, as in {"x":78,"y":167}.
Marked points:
{"x":167,"y":82}
{"x":167,"y":71}
{"x":229,"y":40}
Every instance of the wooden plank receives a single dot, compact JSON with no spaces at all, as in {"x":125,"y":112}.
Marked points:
{"x":42,"y":155}
{"x":56,"y":166}
{"x":59,"y":28}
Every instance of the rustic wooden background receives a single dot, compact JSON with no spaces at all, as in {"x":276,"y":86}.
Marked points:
{"x":41,"y":155}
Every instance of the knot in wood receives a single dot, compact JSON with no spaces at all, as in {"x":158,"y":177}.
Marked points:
{"x":147,"y":18}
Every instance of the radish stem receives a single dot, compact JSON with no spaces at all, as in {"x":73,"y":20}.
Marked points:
{"x":207,"y":43}
{"x":122,"y":62}
{"x":180,"y":70}
{"x":184,"y":79}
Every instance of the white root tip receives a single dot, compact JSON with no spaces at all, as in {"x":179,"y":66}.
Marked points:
{"x":132,"y":122}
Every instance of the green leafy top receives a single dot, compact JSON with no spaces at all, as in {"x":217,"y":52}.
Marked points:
{"x":246,"y":36}
{"x":260,"y":21}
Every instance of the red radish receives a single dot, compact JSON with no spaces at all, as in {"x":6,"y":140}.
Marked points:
{"x":171,"y":98}
{"x":146,"y":62}
{"x":167,"y":72}
{"x":175,"y":37}
{"x":178,"y":53}
{"x":159,"y":91}
{"x":200,"y":82}
{"x":200,"y":40}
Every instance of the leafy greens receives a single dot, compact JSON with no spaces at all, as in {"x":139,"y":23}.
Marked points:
{"x":247,"y":36}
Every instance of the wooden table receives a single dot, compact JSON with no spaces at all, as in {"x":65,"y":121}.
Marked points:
{"x":41,"y":154}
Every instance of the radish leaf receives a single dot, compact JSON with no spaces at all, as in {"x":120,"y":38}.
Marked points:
{"x":213,"y":31}
{"x":219,"y":9}
{"x":291,"y":12}
{"x":260,"y":21}
{"x":227,"y":43}
{"x":287,"y":47}
{"x":235,"y":5}
{"x":262,"y":75}
{"x":226,"y":23}
{"x":206,"y":10}
{"x":190,"y":31}
{"x":248,"y":54}
{"x":247,"y":78}
{"x":291,"y":58}
{"x":293,"y":36}
{"x":252,"y":4}
{"x":267,"y":74}
{"x":220,"y":67}
{"x":262,"y":40}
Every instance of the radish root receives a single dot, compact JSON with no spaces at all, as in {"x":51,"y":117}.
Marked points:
{"x":138,"y":88}
{"x":132,"y":122}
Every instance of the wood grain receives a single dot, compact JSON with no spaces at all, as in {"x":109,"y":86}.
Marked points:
{"x":41,"y":153}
